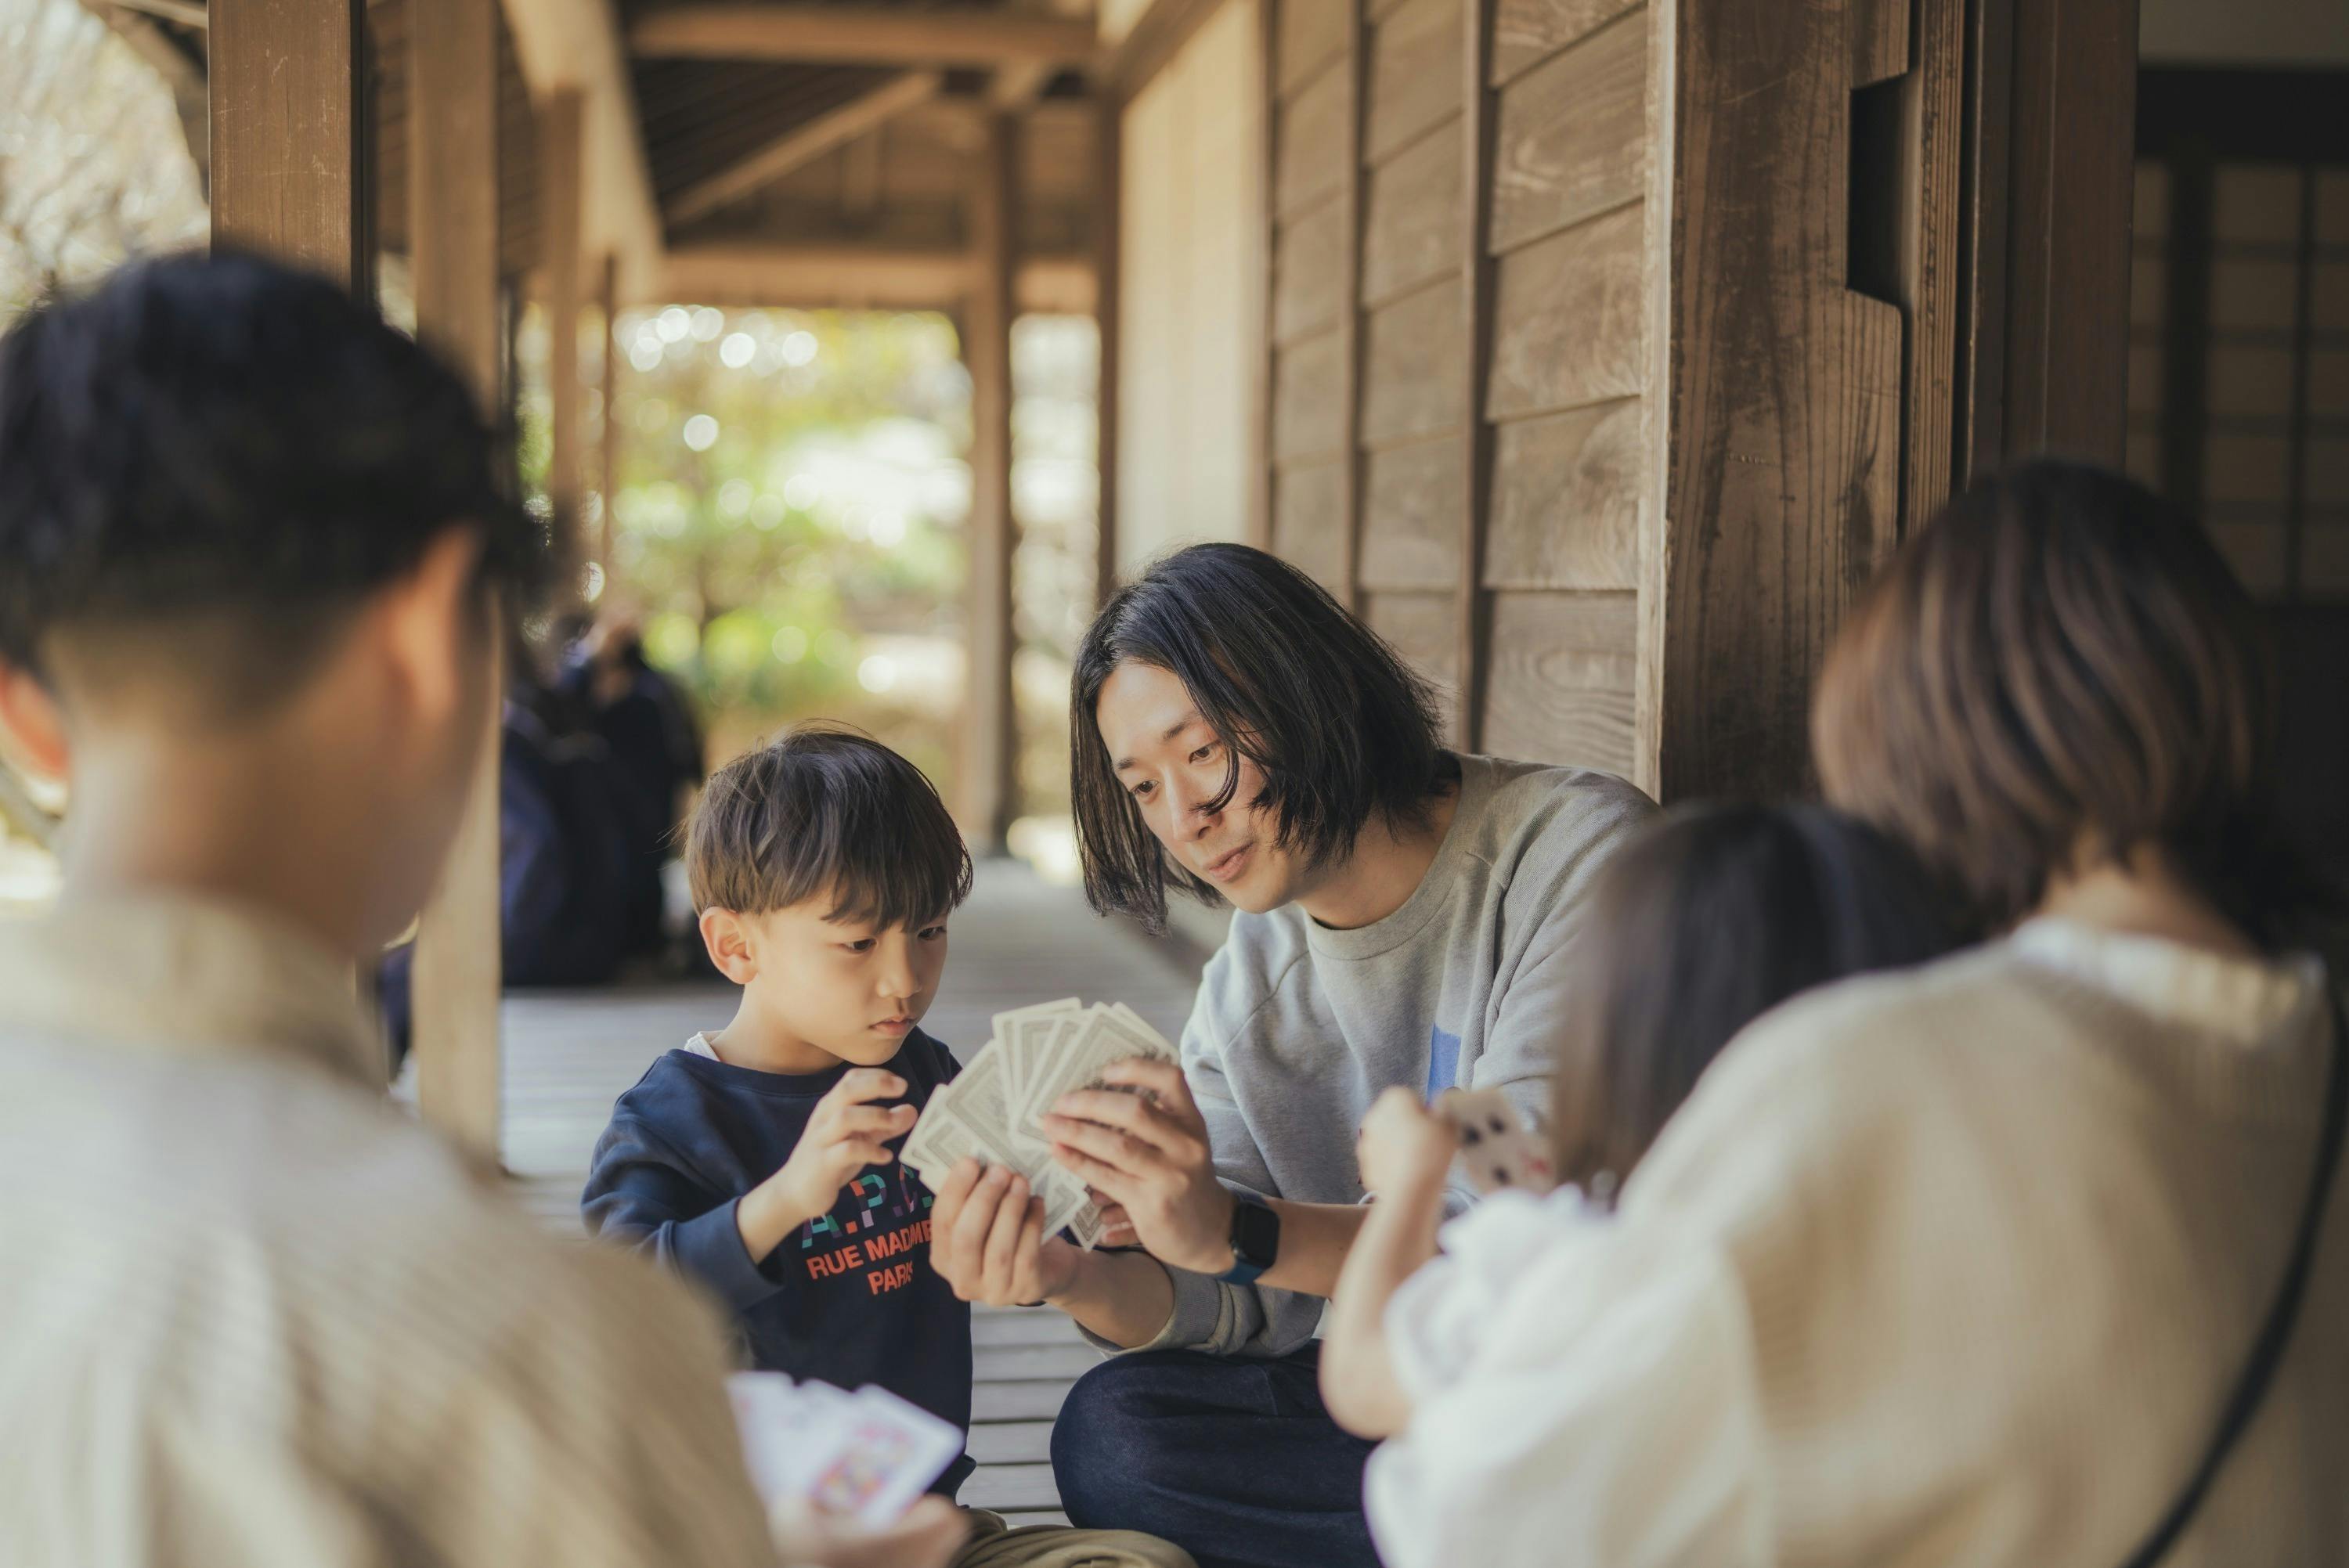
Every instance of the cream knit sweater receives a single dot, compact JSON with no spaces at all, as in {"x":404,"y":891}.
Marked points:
{"x":1947,"y":1267}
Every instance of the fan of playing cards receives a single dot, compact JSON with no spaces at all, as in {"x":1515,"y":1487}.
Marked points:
{"x":865,"y":1456}
{"x":1500,"y":1147}
{"x":994,"y":1111}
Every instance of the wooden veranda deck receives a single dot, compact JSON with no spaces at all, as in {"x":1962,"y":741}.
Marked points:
{"x":568,"y":1055}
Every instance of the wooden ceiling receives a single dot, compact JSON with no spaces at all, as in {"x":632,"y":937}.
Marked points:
{"x":830,"y":136}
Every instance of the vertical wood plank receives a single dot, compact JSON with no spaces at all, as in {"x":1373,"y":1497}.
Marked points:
{"x":1109,"y":154}
{"x":288,"y":123}
{"x":452,"y":228}
{"x":1934,"y":111}
{"x":1353,"y":68}
{"x":990,"y":752}
{"x":1982,"y":328}
{"x":2070,"y":187}
{"x":562,"y":121}
{"x":1478,"y":106}
{"x":1260,"y":519}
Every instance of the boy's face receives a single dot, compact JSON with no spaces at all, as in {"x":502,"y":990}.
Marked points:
{"x":852,"y":990}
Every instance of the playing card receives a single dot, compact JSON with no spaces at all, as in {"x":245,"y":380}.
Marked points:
{"x":889,"y":1454}
{"x":1497,"y":1148}
{"x":992,"y":1111}
{"x":867,"y":1454}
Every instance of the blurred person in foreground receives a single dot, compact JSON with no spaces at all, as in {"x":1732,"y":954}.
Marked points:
{"x":251,"y":554}
{"x":2031,"y":1255}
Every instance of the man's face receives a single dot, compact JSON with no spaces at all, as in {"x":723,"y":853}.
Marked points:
{"x":1174,"y":765}
{"x":849,"y":988}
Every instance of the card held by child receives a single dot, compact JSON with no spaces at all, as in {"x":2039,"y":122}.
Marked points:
{"x":865,"y":1456}
{"x":1498,"y":1147}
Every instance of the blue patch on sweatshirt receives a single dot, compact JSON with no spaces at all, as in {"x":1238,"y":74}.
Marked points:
{"x":1443,"y":1062}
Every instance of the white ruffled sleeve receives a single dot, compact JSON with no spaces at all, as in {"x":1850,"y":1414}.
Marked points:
{"x":1584,"y":1392}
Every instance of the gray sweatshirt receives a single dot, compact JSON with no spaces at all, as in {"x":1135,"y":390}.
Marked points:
{"x":1299,"y":1027}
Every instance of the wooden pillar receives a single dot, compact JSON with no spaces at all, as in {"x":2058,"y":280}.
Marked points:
{"x":1781,"y":409}
{"x":288,"y":119}
{"x":607,"y":437}
{"x":453,"y":225}
{"x":1108,"y":214}
{"x":2053,"y":155}
{"x":562,"y":120}
{"x":991,"y":752}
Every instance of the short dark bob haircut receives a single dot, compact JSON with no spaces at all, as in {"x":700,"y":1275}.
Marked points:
{"x":1699,"y":925}
{"x":822,"y":812}
{"x":2062,"y":665}
{"x":1341,"y":728}
{"x":231,"y":454}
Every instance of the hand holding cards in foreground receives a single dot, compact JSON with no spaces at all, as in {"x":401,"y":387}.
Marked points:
{"x":1499,"y":1147}
{"x":810,"y":1446}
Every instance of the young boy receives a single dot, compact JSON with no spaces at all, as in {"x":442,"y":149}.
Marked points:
{"x":760,"y":1159}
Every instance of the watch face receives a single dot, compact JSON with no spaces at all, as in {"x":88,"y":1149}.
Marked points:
{"x":1256,"y":1234}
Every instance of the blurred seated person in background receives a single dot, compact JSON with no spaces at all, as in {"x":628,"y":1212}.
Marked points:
{"x":251,"y":549}
{"x":655,"y":747}
{"x":2033,"y":1253}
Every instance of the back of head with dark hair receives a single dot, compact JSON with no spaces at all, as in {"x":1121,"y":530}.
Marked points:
{"x":2063,"y":664}
{"x":823,"y":813}
{"x":1700,"y":926}
{"x":226,"y":452}
{"x":1341,"y":728}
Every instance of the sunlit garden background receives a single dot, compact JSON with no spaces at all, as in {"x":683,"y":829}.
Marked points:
{"x":790,"y":489}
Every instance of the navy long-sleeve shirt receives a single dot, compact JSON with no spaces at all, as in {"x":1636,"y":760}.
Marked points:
{"x":850,"y":1299}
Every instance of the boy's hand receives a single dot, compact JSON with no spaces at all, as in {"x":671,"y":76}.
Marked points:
{"x":987,"y":1238}
{"x":1405,"y":1146}
{"x":845,"y":1134}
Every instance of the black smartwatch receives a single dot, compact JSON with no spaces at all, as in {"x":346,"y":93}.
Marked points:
{"x":1256,"y":1240}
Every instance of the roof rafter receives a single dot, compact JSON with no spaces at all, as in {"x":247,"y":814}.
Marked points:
{"x":958,"y":35}
{"x":802,"y":144}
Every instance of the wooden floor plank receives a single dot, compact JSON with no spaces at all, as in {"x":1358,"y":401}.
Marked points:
{"x":1005,"y":1488}
{"x":1039,"y":1400}
{"x":1012,"y":1442}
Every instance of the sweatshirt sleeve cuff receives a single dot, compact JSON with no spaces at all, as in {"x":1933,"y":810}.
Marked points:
{"x":1199,"y":1322}
{"x":709,"y":1248}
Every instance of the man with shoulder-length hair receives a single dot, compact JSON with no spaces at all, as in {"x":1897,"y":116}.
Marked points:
{"x":1406,"y":915}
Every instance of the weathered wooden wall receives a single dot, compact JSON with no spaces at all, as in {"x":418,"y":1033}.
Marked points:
{"x":1458,"y":352}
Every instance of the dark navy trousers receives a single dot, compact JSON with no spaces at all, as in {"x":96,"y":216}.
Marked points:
{"x":1234,"y":1460}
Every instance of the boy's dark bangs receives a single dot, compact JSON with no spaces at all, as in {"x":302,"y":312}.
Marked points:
{"x":879,"y":878}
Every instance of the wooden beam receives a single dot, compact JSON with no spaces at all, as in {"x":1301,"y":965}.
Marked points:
{"x":186,"y":13}
{"x":288,"y":120}
{"x":950,"y":35}
{"x":1109,"y":124}
{"x":1131,"y":75}
{"x":989,"y":784}
{"x":1158,"y":35}
{"x":561,"y":44}
{"x":1017,"y":86}
{"x":561,"y":127}
{"x":853,"y":276}
{"x":452,"y":229}
{"x":802,"y":144}
{"x":1480,"y":106}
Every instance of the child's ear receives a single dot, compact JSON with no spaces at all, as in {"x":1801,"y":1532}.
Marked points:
{"x":32,"y":731}
{"x":729,"y":944}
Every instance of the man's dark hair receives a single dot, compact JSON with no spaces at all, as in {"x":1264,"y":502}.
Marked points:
{"x":1342,"y":729}
{"x":1700,"y":926}
{"x":823,"y":813}
{"x":225,"y":450}
{"x":2060,"y":660}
